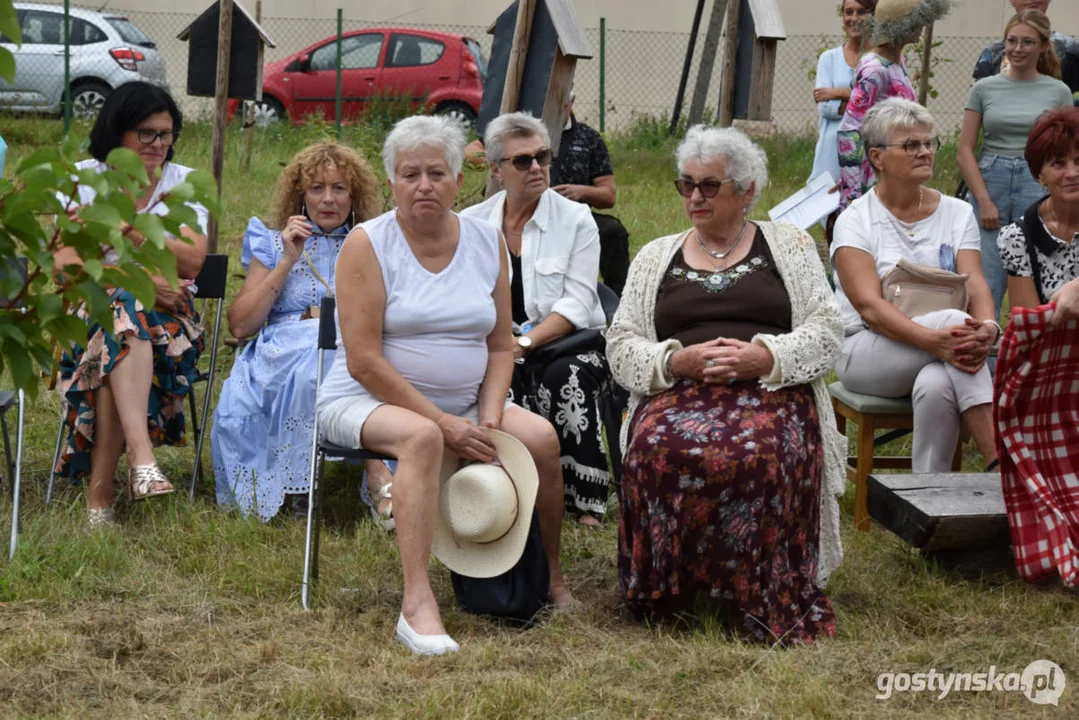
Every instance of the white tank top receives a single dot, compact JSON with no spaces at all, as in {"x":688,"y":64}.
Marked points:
{"x":435,"y":325}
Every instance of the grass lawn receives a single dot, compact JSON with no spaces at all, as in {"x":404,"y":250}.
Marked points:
{"x":188,"y":611}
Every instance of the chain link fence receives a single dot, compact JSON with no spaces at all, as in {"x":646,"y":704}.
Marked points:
{"x":640,"y":70}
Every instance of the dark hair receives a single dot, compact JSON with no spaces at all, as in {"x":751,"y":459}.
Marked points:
{"x":870,"y":5}
{"x":124,"y":109}
{"x":1055,"y":135}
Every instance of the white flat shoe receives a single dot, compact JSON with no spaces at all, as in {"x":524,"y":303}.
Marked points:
{"x":424,"y":644}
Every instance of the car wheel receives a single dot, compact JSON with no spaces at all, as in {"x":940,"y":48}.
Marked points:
{"x":459,"y":111}
{"x":87,"y":98}
{"x":268,"y":112}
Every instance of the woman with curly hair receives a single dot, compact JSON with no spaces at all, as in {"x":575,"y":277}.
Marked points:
{"x":262,"y":427}
{"x":881,"y":74}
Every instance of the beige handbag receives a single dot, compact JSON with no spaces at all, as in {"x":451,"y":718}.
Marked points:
{"x":920,"y":289}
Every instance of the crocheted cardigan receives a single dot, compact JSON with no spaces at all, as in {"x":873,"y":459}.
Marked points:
{"x":804,"y":355}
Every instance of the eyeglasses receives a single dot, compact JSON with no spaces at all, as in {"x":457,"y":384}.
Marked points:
{"x":524,"y":162}
{"x":147,"y":136}
{"x":912,"y":147}
{"x":1025,"y":43}
{"x":708,"y":188}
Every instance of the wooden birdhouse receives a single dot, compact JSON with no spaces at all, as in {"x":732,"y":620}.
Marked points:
{"x":759,"y":31}
{"x":245,"y":55}
{"x":553,"y":42}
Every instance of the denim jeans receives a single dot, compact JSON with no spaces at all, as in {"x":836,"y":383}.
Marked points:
{"x":1012,"y":189}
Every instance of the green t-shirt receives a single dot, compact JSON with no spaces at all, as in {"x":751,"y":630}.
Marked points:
{"x":1010,"y":108}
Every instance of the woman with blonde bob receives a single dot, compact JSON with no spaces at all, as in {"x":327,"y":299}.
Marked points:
{"x":732,"y":460}
{"x":1004,"y":108}
{"x":261,"y":434}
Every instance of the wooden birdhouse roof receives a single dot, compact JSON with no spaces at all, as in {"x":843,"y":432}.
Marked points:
{"x":767,"y":20}
{"x":571,"y":38}
{"x":185,"y":34}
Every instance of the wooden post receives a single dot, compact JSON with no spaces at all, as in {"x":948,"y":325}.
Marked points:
{"x":927,"y":57}
{"x":730,"y":60}
{"x":522,"y":33}
{"x":708,"y":62}
{"x":249,"y":124}
{"x":221,"y":93}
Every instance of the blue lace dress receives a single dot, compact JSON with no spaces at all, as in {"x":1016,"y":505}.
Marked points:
{"x":261,"y":435}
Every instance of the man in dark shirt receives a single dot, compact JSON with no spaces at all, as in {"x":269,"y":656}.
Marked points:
{"x":582,"y":172}
{"x":1067,"y":50}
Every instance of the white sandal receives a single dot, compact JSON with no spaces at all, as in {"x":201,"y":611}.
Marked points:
{"x":385,"y":517}
{"x":141,"y":480}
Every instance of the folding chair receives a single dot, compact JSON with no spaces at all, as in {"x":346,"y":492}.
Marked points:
{"x":9,"y":399}
{"x":320,"y":449}
{"x":209,"y":285}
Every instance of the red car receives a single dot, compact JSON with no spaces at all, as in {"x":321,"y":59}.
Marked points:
{"x":441,"y":72}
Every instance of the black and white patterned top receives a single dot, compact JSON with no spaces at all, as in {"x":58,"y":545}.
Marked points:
{"x":1058,"y":259}
{"x":582,"y":157}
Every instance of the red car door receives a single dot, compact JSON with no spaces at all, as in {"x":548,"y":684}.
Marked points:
{"x":314,"y":85}
{"x":416,"y":64}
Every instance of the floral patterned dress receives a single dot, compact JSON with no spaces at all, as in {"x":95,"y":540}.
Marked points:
{"x":875,"y":79}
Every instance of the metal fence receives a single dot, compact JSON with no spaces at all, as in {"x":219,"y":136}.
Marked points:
{"x":640,"y":70}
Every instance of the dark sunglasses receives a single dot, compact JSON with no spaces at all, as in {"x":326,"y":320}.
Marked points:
{"x":708,"y":188}
{"x":147,"y":136}
{"x":524,"y":162}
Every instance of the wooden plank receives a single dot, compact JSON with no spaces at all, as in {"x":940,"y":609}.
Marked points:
{"x":557,"y":100}
{"x":221,"y":97}
{"x":763,"y":79}
{"x":571,"y":38}
{"x":767,"y":19}
{"x":946,"y":511}
{"x":730,"y":62}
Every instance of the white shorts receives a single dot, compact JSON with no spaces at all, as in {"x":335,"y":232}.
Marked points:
{"x":342,"y":421}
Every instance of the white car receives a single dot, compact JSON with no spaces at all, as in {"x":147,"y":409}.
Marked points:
{"x":106,"y":51}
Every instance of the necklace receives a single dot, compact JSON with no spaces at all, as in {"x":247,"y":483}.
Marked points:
{"x":910,"y":228}
{"x":728,"y":251}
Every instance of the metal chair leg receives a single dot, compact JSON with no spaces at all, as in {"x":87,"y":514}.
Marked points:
{"x":56,"y":452}
{"x":17,"y":478}
{"x":201,"y":436}
{"x":9,"y":467}
{"x":310,"y":544}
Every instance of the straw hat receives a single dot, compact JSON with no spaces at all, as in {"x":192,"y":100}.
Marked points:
{"x":902,"y":19}
{"x":485,"y":510}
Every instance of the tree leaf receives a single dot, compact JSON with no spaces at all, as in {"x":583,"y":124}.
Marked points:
{"x":19,"y":362}
{"x":151,"y":228}
{"x":93,"y":268}
{"x":7,"y":65}
{"x":139,"y":284}
{"x":102,"y":212}
{"x":9,"y":23}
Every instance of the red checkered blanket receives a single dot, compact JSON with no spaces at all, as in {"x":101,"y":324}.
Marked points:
{"x":1036,"y":413}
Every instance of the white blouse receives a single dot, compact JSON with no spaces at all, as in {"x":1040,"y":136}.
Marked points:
{"x":559,"y":258}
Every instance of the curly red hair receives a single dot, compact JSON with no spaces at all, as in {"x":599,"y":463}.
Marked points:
{"x":1055,"y":135}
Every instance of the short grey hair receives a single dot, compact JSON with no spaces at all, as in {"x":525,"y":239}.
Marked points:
{"x":746,"y":162}
{"x":887,"y":116}
{"x":508,"y":126}
{"x":435,"y":131}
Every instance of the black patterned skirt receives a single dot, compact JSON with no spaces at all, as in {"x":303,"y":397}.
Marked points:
{"x":721,"y":497}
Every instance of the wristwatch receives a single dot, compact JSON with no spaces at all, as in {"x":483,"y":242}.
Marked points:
{"x":524,"y":342}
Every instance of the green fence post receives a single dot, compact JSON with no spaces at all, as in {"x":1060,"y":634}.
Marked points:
{"x":67,"y":66}
{"x":337,"y":103}
{"x":603,"y":74}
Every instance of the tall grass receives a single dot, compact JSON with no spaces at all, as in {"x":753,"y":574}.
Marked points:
{"x":189,"y":611}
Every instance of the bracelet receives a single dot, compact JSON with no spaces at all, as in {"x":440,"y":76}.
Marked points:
{"x":668,"y":364}
{"x":994,"y":323}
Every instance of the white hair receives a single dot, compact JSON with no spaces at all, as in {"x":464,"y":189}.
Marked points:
{"x":746,"y":162}
{"x":508,"y":126}
{"x":887,"y":116}
{"x":435,"y":131}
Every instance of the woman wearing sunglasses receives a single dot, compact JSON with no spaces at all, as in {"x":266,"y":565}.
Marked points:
{"x":1004,"y":108}
{"x":270,"y":393}
{"x":125,"y":389}
{"x":938,"y":358}
{"x":732,"y":464}
{"x":554,"y":255}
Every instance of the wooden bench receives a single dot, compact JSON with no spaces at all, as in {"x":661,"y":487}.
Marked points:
{"x":941,"y":512}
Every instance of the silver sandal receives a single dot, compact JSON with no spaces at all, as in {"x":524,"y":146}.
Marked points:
{"x":100,"y":518}
{"x":385,"y":517}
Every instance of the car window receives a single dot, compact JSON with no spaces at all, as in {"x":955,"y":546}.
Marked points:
{"x":358,"y":52}
{"x":86,"y":33}
{"x":478,"y":56}
{"x":44,"y":28}
{"x":128,"y":31}
{"x":412,"y":50}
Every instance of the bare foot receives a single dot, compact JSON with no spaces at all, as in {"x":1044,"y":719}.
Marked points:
{"x":424,"y":619}
{"x":589,"y":520}
{"x":561,"y":597}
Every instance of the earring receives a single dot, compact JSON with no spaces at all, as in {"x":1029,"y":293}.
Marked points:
{"x":303,"y":208}
{"x":352,"y":223}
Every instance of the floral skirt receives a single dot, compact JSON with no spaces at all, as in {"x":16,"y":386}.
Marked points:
{"x":721,"y":497}
{"x":177,"y":342}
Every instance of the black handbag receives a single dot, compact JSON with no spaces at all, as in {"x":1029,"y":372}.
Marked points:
{"x":518,"y":594}
{"x":575,"y":343}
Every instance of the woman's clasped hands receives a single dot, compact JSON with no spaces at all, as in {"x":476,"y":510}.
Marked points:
{"x":722,"y":361}
{"x":966,"y":346}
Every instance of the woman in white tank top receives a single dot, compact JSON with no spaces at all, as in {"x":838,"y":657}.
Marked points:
{"x":425,"y":357}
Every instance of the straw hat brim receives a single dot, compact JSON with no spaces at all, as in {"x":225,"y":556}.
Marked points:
{"x":486,"y":560}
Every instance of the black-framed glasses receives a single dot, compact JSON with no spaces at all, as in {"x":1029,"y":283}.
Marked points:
{"x":523,"y":162}
{"x":147,"y":136}
{"x":912,"y":147}
{"x":709,"y":188}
